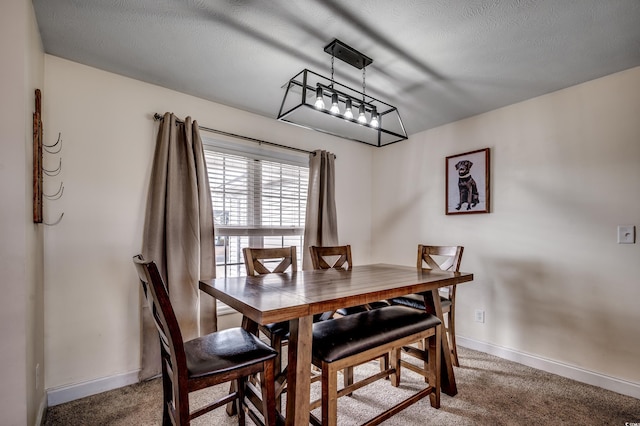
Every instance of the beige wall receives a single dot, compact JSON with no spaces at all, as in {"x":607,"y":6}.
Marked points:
{"x":549,"y":274}
{"x":21,"y":304}
{"x":548,"y":271}
{"x":91,"y":294}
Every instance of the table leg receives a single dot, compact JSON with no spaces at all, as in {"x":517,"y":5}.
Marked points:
{"x":299,"y":371}
{"x":448,"y":380}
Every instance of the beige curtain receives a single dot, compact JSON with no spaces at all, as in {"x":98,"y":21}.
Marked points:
{"x":321,"y":223}
{"x":178,"y":234}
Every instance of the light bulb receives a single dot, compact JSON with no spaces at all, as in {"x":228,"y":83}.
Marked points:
{"x":319,"y":101}
{"x":347,"y":112}
{"x":374,"y":118}
{"x":362,"y":119}
{"x":334,"y":104}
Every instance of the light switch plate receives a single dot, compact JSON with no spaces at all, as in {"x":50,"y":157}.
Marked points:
{"x":626,"y":234}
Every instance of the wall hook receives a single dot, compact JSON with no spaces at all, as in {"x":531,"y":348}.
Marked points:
{"x":54,"y":223}
{"x":53,"y":172}
{"x":50,"y":151}
{"x":55,"y":196}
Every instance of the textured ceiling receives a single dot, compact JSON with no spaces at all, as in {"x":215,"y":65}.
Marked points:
{"x":438,"y":61}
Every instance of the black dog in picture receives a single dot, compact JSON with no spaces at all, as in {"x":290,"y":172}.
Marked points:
{"x":466,"y":185}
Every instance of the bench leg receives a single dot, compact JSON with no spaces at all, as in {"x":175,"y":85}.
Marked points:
{"x":329,"y":395}
{"x":384,"y":363}
{"x":395,"y":364}
{"x":348,"y":377}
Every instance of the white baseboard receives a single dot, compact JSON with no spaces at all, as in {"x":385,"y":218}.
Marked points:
{"x":565,"y":370}
{"x":68,"y":393}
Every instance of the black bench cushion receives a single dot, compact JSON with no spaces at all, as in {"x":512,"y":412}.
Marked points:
{"x":417,"y":301}
{"x":342,"y":337}
{"x":225,"y":350}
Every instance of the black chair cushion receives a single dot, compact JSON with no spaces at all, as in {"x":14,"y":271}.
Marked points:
{"x":282,"y":328}
{"x":277,"y":328}
{"x":361,"y":308}
{"x":417,"y":301}
{"x":353,"y":334}
{"x":225,"y":350}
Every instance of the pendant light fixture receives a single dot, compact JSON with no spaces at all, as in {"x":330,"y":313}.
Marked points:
{"x":303,"y":104}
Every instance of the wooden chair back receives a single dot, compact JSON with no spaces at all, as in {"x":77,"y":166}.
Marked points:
{"x":440,"y":258}
{"x":331,"y":257}
{"x":255,"y":258}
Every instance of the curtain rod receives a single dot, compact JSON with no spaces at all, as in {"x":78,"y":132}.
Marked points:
{"x":158,"y":117}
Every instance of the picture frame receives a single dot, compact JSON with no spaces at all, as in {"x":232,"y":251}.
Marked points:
{"x":467,"y":183}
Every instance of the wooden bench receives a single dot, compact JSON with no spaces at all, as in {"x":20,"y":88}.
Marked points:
{"x":355,"y":339}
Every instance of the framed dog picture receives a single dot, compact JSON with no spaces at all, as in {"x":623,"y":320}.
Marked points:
{"x":467,"y":177}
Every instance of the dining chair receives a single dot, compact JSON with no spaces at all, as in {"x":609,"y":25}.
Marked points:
{"x":260,"y":261}
{"x":230,"y":355}
{"x":339,"y":257}
{"x":439,"y":258}
{"x":348,"y":341}
{"x":256,"y":262}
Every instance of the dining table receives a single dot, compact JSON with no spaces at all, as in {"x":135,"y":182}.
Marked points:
{"x":298,"y":296}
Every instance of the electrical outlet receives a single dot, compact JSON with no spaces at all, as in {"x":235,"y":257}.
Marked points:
{"x":480,"y":316}
{"x":626,"y":234}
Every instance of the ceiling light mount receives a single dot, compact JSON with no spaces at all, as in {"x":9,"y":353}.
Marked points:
{"x":378,"y":123}
{"x":347,"y":54}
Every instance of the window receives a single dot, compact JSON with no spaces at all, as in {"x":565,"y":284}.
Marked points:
{"x":259,"y":200}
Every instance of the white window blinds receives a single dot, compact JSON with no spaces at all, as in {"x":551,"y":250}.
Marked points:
{"x":257,"y":202}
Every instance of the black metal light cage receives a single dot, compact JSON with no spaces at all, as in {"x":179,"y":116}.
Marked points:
{"x":377,"y":123}
{"x":372,"y":121}
{"x":298,"y":107}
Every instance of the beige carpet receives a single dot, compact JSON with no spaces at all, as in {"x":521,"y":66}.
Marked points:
{"x":491,"y":391}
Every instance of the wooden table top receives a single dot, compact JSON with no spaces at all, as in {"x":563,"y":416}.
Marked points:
{"x":282,"y":297}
